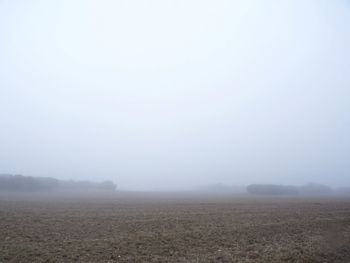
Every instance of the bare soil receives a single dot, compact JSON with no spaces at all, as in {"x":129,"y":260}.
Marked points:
{"x":144,"y":227}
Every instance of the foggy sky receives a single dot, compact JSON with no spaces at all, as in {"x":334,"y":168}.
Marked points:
{"x":172,"y":94}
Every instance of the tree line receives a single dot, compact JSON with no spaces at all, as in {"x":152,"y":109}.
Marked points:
{"x":307,"y":189}
{"x":20,"y":183}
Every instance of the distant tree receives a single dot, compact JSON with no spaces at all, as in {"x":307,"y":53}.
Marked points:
{"x":108,"y":186}
{"x":315,"y":189}
{"x":343,"y":190}
{"x":218,"y":188}
{"x":20,"y":183}
{"x":271,"y":189}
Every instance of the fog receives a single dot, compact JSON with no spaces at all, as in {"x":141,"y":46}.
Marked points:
{"x":169,"y":95}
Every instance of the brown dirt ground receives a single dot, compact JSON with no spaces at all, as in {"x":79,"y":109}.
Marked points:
{"x":141,"y":227}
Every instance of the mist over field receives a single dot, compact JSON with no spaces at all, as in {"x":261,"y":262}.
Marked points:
{"x":174,"y":95}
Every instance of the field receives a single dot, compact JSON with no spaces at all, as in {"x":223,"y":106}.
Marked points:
{"x":144,"y":227}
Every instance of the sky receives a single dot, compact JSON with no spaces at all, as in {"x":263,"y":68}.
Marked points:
{"x":174,"y":94}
